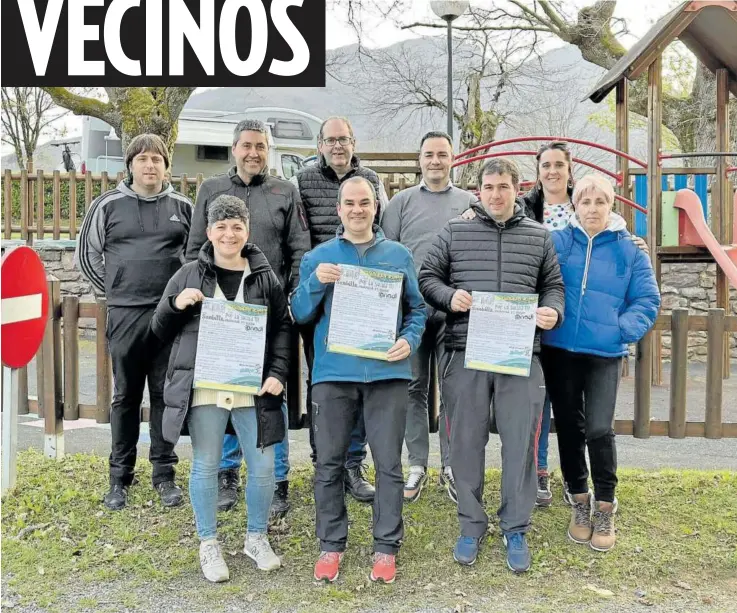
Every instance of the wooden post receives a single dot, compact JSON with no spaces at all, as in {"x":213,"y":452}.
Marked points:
{"x":119,"y":177}
{"x":183,"y":184}
{"x":73,"y":205}
{"x":678,"y":373}
{"x":23,"y":391}
{"x":200,"y":179}
{"x":623,"y":144}
{"x":24,"y":205}
{"x":654,"y":189}
{"x":721,"y":199}
{"x":87,"y":191}
{"x":57,"y":206}
{"x":388,"y":187}
{"x":52,"y":390}
{"x":643,"y":384}
{"x":103,"y":364}
{"x":103,"y":182}
{"x":31,"y":201}
{"x":70,"y":316}
{"x":714,"y":356}
{"x":40,"y":197}
{"x":8,"y":204}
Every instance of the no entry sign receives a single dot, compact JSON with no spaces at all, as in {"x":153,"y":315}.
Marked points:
{"x":25,"y":306}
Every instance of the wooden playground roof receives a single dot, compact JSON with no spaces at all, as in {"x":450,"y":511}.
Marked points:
{"x":708,"y":29}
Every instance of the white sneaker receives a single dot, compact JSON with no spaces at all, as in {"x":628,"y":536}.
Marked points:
{"x":415,"y":482}
{"x":257,"y":548}
{"x":211,"y":560}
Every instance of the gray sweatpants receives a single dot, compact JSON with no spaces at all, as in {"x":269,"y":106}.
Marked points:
{"x":518,"y":403}
{"x":335,"y":410}
{"x":417,"y":433}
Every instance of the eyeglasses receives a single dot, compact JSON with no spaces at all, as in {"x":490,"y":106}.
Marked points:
{"x":343,"y":140}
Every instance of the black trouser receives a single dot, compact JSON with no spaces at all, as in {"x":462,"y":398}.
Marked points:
{"x":137,"y":355}
{"x":356,"y":453}
{"x":336,"y":411}
{"x":583,"y":391}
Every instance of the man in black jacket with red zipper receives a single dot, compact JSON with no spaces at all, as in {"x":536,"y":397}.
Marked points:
{"x":278,"y":227}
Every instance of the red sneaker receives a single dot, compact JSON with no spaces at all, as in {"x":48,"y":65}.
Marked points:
{"x":327,"y":567}
{"x":385,"y":568}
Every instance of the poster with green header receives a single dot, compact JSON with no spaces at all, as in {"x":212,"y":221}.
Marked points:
{"x":363,"y":316}
{"x":501,"y":333}
{"x":230,"y":346}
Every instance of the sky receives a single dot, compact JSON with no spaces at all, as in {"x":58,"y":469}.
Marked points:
{"x":640,"y":15}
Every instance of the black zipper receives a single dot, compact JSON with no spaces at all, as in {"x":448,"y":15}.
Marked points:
{"x":499,"y":259}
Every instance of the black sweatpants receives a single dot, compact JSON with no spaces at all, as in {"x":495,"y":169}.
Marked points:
{"x":356,"y":454}
{"x":335,"y":411}
{"x":583,"y":392}
{"x":137,"y":355}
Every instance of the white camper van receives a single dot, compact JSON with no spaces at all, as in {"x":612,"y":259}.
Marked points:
{"x":204,"y":141}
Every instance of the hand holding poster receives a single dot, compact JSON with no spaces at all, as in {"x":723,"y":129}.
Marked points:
{"x":363,"y":317}
{"x":501,"y":333}
{"x":217,"y":366}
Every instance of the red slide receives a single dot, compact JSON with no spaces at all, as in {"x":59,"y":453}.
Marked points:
{"x":692,"y":230}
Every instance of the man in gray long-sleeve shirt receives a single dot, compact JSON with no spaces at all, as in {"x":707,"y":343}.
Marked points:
{"x":414,"y":218}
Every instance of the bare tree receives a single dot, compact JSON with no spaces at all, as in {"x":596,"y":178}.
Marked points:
{"x":409,"y":84}
{"x":595,"y":31}
{"x":130,"y":110}
{"x":27,"y":113}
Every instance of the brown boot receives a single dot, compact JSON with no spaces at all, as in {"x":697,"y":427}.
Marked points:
{"x":580,"y":528}
{"x":603,"y":537}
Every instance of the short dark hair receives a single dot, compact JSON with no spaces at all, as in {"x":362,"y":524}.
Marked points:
{"x":437,"y":134}
{"x":225,"y":207}
{"x":356,"y":180}
{"x":499,"y":166}
{"x":250,"y":125}
{"x":146,"y":142}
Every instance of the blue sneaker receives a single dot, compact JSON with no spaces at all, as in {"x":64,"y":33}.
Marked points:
{"x":466,"y":550}
{"x":518,"y":554}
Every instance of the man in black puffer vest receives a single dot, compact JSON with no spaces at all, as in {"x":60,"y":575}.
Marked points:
{"x":501,"y":250}
{"x":318,"y":190}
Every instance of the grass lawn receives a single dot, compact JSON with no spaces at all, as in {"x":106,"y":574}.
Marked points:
{"x":62,"y":551}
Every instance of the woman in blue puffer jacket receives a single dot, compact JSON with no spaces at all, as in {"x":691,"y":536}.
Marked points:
{"x":612,"y":299}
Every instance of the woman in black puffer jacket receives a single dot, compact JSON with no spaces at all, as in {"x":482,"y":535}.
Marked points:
{"x":228,"y":268}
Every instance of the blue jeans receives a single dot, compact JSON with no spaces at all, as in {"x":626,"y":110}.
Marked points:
{"x":232,"y":455}
{"x":207,"y":425}
{"x":542,"y":441}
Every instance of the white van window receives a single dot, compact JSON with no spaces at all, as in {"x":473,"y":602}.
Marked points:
{"x":290,"y":129}
{"x":290,"y":164}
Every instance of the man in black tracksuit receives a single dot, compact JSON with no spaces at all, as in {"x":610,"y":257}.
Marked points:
{"x":501,"y":250}
{"x":318,"y":189}
{"x":130,"y":244}
{"x":278,"y":227}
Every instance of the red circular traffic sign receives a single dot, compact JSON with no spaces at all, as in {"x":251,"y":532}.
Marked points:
{"x":25,"y":306}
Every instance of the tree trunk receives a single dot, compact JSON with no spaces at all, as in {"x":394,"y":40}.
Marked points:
{"x":477,"y":127}
{"x":132,"y":110}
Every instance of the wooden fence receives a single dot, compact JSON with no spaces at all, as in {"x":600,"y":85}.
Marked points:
{"x":41,"y":204}
{"x":58,"y":380}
